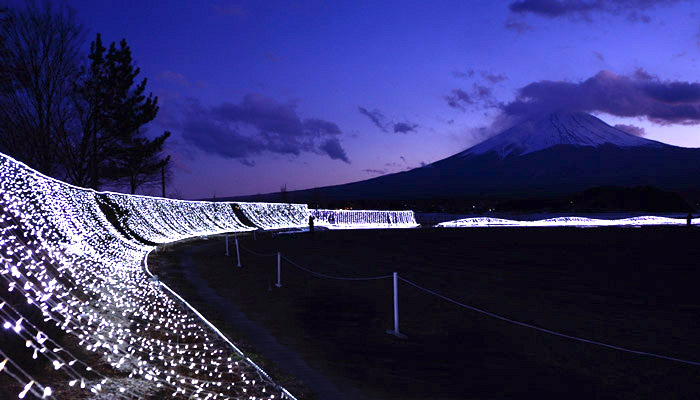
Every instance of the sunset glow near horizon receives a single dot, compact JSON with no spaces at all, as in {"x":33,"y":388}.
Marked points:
{"x":312,"y":93}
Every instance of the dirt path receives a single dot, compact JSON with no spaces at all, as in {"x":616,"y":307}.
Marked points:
{"x":261,"y":338}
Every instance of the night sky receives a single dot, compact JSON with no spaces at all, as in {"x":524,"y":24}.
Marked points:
{"x":260,"y":94}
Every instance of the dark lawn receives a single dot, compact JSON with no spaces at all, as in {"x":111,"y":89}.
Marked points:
{"x":635,"y":288}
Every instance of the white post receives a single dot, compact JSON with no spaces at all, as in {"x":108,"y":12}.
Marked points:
{"x":226,"y":245}
{"x":396,"y":331}
{"x":238,"y":253}
{"x":279,"y":263}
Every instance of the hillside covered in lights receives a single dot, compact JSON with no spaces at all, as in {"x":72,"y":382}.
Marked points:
{"x":82,"y":317}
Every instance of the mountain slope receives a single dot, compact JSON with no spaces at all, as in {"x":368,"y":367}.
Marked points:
{"x":561,"y":154}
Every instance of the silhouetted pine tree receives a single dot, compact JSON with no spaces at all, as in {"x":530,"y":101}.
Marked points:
{"x":114,"y":110}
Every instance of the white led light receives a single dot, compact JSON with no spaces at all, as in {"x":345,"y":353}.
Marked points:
{"x":84,"y":274}
{"x":564,"y":221}
{"x":363,"y":219}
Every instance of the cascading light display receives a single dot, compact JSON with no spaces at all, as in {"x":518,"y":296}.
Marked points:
{"x":363,"y":219}
{"x":275,"y":215}
{"x":564,"y":221}
{"x":163,"y":220}
{"x":71,"y":262}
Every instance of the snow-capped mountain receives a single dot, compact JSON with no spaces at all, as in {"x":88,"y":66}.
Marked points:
{"x":560,"y":154}
{"x":576,"y":129}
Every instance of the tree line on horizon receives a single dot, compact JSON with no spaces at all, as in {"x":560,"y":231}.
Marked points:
{"x":77,"y":118}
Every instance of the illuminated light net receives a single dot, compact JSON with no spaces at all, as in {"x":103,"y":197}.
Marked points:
{"x":275,"y":215}
{"x":71,"y":279}
{"x":564,"y":221}
{"x":363,"y":219}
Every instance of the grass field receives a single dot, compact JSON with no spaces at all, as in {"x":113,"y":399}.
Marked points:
{"x":636,"y":288}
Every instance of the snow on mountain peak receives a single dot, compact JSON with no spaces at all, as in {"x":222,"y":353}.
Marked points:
{"x":578,"y":129}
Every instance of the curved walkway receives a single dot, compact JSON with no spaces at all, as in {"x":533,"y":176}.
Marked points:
{"x":260,"y":337}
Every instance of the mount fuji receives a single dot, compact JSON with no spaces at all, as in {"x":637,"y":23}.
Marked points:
{"x":560,"y":154}
{"x":573,"y":129}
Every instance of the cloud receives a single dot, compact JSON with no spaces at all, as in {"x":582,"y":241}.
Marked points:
{"x":631,"y":129}
{"x":459,"y":99}
{"x":518,"y":26}
{"x":319,"y":127}
{"x":478,"y":96}
{"x":583,"y":9}
{"x":334,"y":150}
{"x":174,"y":77}
{"x":493,"y":78}
{"x":373,"y":171}
{"x":404,"y":127}
{"x":383,"y":123}
{"x":642,"y":75}
{"x":377,"y":118}
{"x":638,"y":95}
{"x":463,"y":74}
{"x":255,"y":125}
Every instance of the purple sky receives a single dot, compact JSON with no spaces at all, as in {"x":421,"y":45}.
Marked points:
{"x":259,"y":94}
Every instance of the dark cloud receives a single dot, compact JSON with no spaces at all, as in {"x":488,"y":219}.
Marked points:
{"x":404,"y":127}
{"x":213,"y":137}
{"x":599,"y":55}
{"x":334,"y":150}
{"x":383,"y":123}
{"x":463,"y":74}
{"x":319,"y":127}
{"x":631,"y":129}
{"x":487,"y":75}
{"x":478,"y":96}
{"x":376,"y":116}
{"x":493,"y":78}
{"x":247,"y":162}
{"x":255,"y":125}
{"x":373,"y":171}
{"x":459,"y":99}
{"x":583,"y":9}
{"x":552,"y":8}
{"x":642,"y":75}
{"x":638,"y":95}
{"x":518,"y":26}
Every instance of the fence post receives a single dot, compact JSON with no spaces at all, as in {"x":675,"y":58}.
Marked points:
{"x":238,"y":253}
{"x":227,"y":245}
{"x":396,"y":331}
{"x":279,"y":263}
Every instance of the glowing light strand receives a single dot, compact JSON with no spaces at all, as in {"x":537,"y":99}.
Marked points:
{"x":63,"y":256}
{"x":564,"y":221}
{"x":363,"y":219}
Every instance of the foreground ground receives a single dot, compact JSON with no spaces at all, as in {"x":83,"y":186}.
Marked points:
{"x":635,"y":288}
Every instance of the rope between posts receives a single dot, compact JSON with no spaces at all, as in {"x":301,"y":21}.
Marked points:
{"x":256,"y":253}
{"x":371,"y":278}
{"x":551,"y":332}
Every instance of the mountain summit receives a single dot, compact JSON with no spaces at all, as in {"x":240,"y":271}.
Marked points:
{"x":561,"y":128}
